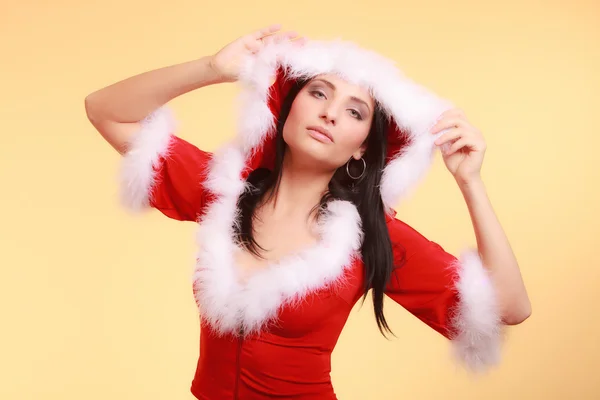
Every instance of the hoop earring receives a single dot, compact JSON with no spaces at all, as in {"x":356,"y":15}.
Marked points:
{"x":363,"y":170}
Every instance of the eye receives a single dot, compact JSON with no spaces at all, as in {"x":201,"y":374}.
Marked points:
{"x":317,"y":93}
{"x":356,"y":114}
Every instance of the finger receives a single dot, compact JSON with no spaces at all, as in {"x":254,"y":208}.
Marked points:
{"x":268,"y":30}
{"x":280,"y":37}
{"x":300,"y":40}
{"x":446,"y":123}
{"x":458,"y":145}
{"x":452,"y":134}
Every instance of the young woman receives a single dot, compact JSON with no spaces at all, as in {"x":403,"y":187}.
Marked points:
{"x":295,"y":215}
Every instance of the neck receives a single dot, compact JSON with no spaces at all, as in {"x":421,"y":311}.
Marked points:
{"x":300,"y":189}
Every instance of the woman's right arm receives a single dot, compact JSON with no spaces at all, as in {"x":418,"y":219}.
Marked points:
{"x":158,"y":168}
{"x":116,"y":110}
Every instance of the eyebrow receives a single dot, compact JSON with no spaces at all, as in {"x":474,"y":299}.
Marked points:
{"x":332,"y":86}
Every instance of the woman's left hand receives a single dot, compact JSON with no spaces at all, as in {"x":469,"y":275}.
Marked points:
{"x":463,"y":145}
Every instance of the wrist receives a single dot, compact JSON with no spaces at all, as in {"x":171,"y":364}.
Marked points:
{"x":471,"y":183}
{"x":196,"y":74}
{"x":212,"y":71}
{"x":216,"y":71}
{"x":210,"y":65}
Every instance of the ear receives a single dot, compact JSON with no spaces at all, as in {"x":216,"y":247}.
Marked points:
{"x":357,"y":155}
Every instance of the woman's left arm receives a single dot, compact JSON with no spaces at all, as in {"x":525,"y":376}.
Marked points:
{"x":463,"y":149}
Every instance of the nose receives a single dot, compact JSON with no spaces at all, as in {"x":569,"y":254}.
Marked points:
{"x":329,"y":113}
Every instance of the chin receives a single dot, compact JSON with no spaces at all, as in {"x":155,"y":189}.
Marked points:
{"x":313,"y":151}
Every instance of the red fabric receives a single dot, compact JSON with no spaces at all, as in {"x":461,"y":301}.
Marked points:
{"x":291,"y":359}
{"x":178,"y":191}
{"x":424,"y":285}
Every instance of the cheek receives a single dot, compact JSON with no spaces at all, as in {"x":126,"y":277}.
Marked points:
{"x":301,"y":108}
{"x":294,"y":120}
{"x":353,"y":138}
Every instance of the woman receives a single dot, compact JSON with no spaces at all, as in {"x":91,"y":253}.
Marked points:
{"x":295,"y":215}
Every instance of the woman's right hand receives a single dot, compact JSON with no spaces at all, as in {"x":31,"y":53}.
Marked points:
{"x":227,"y":62}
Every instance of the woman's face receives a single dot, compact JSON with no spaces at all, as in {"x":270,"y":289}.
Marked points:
{"x":329,"y":122}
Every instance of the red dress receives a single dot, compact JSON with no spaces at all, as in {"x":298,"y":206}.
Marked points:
{"x":271,"y":334}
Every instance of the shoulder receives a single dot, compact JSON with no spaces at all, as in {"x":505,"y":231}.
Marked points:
{"x":405,"y":238}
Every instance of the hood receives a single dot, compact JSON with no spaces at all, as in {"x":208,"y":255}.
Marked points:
{"x":412,"y":110}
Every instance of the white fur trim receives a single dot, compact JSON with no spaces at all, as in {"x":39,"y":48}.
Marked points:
{"x":476,"y":319}
{"x":138,"y":166}
{"x":229,"y":304}
{"x":408,"y":104}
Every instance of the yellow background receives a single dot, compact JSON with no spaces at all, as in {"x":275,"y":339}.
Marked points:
{"x":97,"y":304}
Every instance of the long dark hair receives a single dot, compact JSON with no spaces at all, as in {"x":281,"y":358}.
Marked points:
{"x":376,"y":249}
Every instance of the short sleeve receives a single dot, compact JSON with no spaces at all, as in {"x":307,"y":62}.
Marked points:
{"x":163,"y":171}
{"x":454,"y":296}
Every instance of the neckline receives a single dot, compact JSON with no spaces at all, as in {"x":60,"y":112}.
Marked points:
{"x":229,"y":305}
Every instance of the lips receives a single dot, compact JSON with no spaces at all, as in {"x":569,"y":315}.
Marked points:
{"x":321,"y":133}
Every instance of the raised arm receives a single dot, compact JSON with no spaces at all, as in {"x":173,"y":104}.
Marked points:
{"x":159,"y":169}
{"x":463,"y":149}
{"x":116,"y":110}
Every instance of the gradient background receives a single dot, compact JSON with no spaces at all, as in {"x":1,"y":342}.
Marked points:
{"x":97,"y":304}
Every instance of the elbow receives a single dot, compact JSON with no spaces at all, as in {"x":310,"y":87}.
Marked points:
{"x":89,"y":107}
{"x":517,"y":313}
{"x":95,"y":107}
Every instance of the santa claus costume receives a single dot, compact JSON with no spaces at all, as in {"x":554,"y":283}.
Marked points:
{"x":271,"y":335}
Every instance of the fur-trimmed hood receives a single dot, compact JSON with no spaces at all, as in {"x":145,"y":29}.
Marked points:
{"x":412,"y":110}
